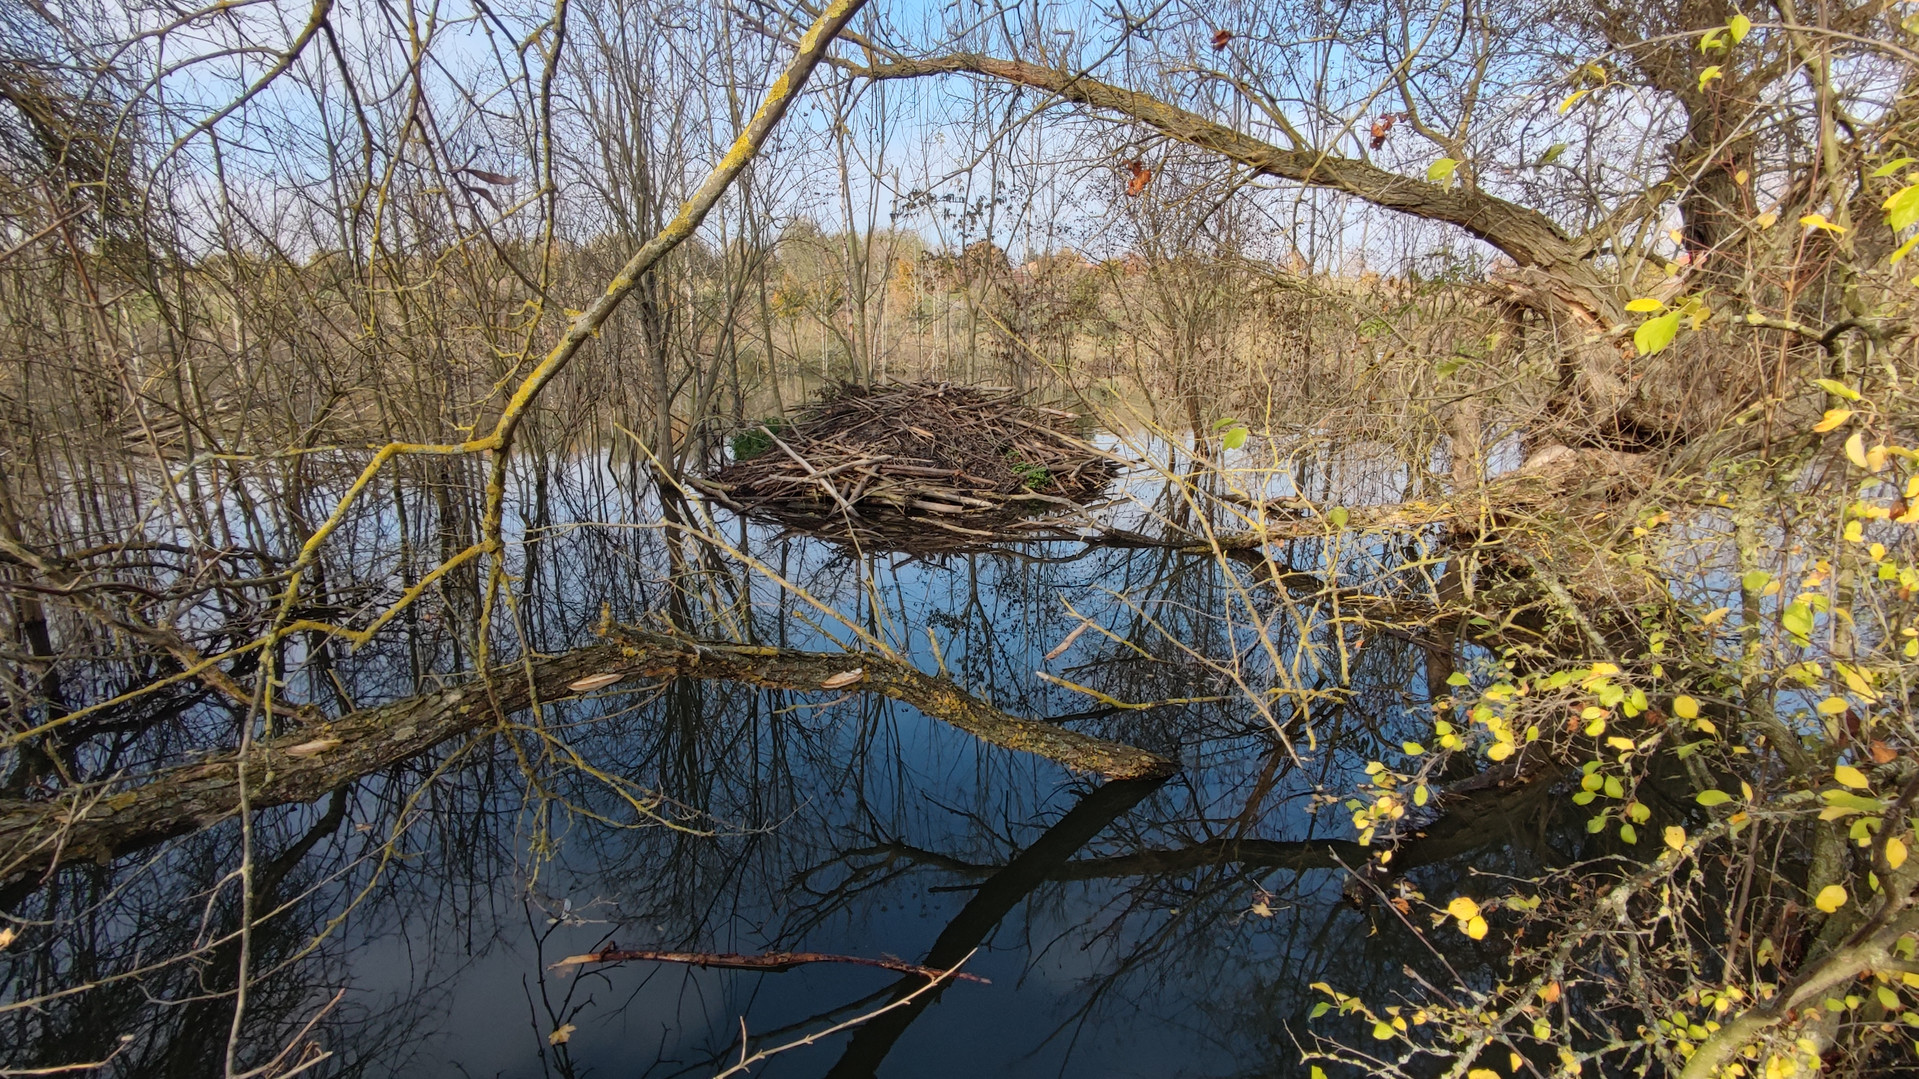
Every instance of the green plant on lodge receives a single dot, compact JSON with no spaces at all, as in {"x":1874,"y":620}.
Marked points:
{"x":1031,"y":475}
{"x":754,"y":441}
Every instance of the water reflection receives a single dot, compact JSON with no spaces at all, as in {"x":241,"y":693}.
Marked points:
{"x":1127,"y":928}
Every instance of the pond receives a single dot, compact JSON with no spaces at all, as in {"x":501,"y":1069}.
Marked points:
{"x":420,"y":917}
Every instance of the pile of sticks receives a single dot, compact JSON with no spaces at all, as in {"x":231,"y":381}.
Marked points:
{"x":924,"y":453}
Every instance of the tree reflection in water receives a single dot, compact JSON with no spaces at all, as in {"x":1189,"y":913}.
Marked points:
{"x":1120,"y":924}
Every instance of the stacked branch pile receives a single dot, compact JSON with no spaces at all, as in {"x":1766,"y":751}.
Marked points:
{"x":928,"y":452}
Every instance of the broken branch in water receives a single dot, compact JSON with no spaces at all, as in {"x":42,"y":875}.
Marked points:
{"x":771,"y":962}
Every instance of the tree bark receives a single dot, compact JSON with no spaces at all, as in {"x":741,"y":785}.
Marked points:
{"x":98,"y":821}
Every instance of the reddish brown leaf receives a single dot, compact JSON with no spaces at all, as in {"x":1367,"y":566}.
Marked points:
{"x":1221,"y":38}
{"x":1141,"y":177}
{"x":1883,"y":753}
{"x":1383,"y":127}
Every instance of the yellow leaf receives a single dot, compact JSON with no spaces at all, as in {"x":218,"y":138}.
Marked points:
{"x":1818,"y":221}
{"x":1476,"y":928}
{"x":1442,"y":170}
{"x":1685,"y":707}
{"x":1741,"y":177}
{"x":1832,"y":706}
{"x":1836,"y":388}
{"x":1830,"y":898}
{"x":6,"y":936}
{"x":1895,"y":855}
{"x":1710,"y":74}
{"x":1833,"y":418}
{"x":1766,"y":220}
{"x":1645,"y":304}
{"x":1655,"y":334}
{"x":1383,"y":1031}
{"x":1463,"y":908}
{"x":1738,"y":26}
{"x":1482,"y":1073}
{"x":562,"y":1035}
{"x":1500,"y":751}
{"x":1851,"y":777}
{"x":1856,"y":449}
{"x":1675,"y":836}
{"x":1713,"y":616}
{"x":1877,"y":458}
{"x":1571,"y":100}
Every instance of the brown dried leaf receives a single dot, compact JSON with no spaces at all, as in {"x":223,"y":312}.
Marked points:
{"x":844,"y":678}
{"x":560,"y":1036}
{"x":1883,"y":753}
{"x":593,"y":681}
{"x":491,"y":177}
{"x":1221,"y":38}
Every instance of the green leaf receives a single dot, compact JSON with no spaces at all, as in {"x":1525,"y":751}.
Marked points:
{"x":1902,"y":207}
{"x":1457,"y":678}
{"x":1318,"y":1072}
{"x":1645,"y":305}
{"x":1904,"y":250}
{"x":1891,"y":167}
{"x":1338,"y":516}
{"x":1797,"y":619}
{"x":1551,"y":155}
{"x":1710,"y":74}
{"x":1837,"y":388}
{"x":1710,"y":40}
{"x":1628,"y":833}
{"x":1738,"y":26}
{"x":1755,"y":580}
{"x":1318,"y":1010}
{"x":1413,"y":749}
{"x":1713,"y":798}
{"x":1656,"y":333}
{"x":1447,"y":367}
{"x":1235,"y":438}
{"x":1442,"y":170}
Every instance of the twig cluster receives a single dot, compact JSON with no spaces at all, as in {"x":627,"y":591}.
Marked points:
{"x":930,"y":453}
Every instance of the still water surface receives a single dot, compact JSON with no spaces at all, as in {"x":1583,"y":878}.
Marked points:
{"x":1149,"y":929}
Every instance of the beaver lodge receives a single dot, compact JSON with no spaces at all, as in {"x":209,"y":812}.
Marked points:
{"x":887,"y":463}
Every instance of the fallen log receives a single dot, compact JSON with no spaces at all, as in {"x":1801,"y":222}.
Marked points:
{"x":786,"y":668}
{"x":97,"y":821}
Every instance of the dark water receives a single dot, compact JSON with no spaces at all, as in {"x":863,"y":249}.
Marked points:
{"x":1125,"y":928}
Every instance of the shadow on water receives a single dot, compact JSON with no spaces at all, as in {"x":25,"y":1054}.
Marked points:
{"x":1131,"y":928}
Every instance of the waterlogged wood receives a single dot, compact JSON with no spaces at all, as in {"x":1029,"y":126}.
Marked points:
{"x":785,"y":668}
{"x":97,"y":821}
{"x":771,"y":962}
